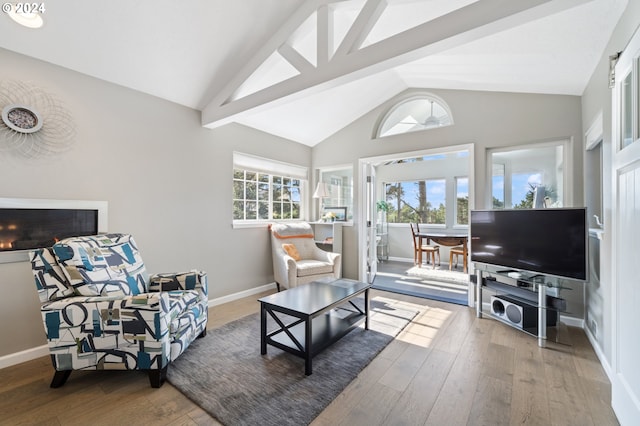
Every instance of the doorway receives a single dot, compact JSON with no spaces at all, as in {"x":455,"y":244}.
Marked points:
{"x":625,"y":174}
{"x":430,"y":185}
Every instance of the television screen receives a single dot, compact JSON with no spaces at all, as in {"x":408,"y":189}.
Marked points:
{"x":545,"y":241}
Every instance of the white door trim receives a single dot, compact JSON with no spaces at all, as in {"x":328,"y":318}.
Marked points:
{"x":362,"y":173}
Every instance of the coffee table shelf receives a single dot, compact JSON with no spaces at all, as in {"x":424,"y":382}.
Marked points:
{"x":327,"y":329}
{"x":316,"y":315}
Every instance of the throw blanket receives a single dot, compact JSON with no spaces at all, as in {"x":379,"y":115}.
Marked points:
{"x":292,"y":230}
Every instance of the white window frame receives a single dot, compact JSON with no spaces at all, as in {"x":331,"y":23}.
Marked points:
{"x":444,"y":181}
{"x":430,"y":97}
{"x":347,"y":170}
{"x":566,"y":195}
{"x":261,"y":165}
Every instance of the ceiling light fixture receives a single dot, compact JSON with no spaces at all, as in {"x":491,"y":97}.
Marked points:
{"x":24,"y":15}
{"x":432,"y":120}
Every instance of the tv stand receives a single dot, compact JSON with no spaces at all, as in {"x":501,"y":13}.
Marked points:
{"x":535,"y":311}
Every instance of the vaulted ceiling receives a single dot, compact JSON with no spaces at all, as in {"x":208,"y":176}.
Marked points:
{"x":305,"y":69}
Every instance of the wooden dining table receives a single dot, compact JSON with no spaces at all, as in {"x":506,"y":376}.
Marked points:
{"x":445,"y":239}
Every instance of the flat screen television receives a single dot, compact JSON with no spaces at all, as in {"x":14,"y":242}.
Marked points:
{"x":542,"y":241}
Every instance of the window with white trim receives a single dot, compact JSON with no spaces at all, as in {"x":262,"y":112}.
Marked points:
{"x":529,"y":177}
{"x":266,"y":190}
{"x":419,"y":112}
{"x":422,"y":201}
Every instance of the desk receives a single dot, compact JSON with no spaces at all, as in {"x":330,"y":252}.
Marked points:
{"x":448,"y":240}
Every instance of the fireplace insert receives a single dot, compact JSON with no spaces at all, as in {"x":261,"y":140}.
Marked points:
{"x":26,"y":228}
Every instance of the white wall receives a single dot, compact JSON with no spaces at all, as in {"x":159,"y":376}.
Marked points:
{"x":595,"y":100}
{"x":167,"y":180}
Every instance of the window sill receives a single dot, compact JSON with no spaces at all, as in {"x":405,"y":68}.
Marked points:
{"x":266,"y":223}
{"x":257,"y":224}
{"x":346,"y":223}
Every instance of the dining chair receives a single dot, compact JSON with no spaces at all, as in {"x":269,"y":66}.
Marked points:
{"x":458,"y":251}
{"x":419,"y":248}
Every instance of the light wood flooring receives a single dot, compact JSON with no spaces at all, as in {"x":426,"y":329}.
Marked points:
{"x":447,"y":368}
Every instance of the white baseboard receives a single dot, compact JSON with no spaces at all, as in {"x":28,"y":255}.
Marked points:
{"x":401,"y":259}
{"x":241,"y":294}
{"x":603,"y":359}
{"x":40,"y":351}
{"x":23,"y":356}
{"x":572,"y":321}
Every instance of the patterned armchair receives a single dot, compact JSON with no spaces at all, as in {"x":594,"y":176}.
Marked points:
{"x":102,"y":311}
{"x":296,"y":257}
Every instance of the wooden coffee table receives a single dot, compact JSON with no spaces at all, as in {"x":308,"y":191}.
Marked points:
{"x":323,"y":312}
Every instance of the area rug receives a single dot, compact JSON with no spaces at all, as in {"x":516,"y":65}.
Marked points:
{"x":226,"y":376}
{"x":427,"y":272}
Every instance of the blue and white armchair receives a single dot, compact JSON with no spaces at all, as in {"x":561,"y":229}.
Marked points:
{"x":102,"y":311}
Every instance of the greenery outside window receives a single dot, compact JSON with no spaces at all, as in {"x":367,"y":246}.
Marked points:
{"x":417,"y":201}
{"x":527,"y":178}
{"x":462,"y":201}
{"x":261,"y":194}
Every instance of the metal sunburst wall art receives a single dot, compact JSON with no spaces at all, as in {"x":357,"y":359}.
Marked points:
{"x":34,"y":123}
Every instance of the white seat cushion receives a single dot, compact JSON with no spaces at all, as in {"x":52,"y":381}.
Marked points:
{"x":313,"y":267}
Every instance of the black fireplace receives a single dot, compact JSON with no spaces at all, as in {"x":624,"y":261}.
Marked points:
{"x":24,"y":229}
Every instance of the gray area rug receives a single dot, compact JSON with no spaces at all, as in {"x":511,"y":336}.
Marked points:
{"x":225,"y":374}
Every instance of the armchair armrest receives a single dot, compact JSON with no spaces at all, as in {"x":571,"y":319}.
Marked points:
{"x":192,"y":280}
{"x":336,"y":260}
{"x":284,"y":269}
{"x":325,"y":256}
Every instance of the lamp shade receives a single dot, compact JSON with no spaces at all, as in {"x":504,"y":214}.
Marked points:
{"x":321,"y":190}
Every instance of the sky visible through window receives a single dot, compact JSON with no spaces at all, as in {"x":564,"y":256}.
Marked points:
{"x":462,"y":187}
{"x":436,"y":189}
{"x":520,"y":185}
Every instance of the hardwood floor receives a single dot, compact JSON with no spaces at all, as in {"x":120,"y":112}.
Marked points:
{"x":446,"y":368}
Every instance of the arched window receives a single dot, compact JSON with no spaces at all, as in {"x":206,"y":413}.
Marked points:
{"x":416,"y":113}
